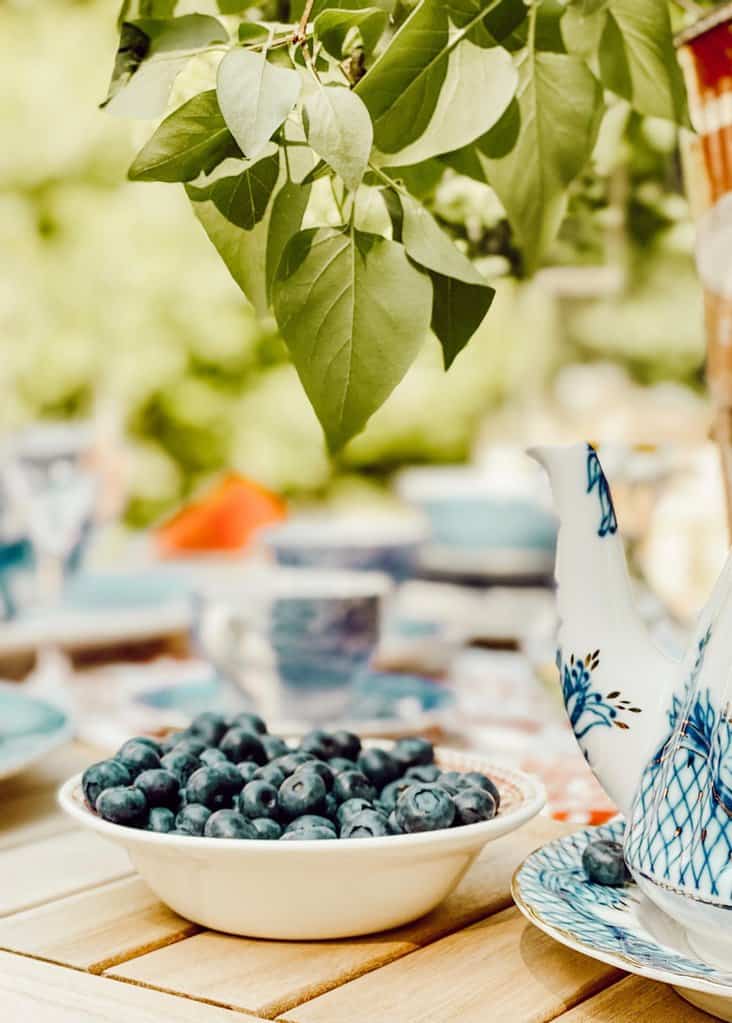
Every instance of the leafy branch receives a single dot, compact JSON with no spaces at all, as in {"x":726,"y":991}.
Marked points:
{"x":375,"y":98}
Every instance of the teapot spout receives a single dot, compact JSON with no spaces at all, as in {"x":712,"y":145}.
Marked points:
{"x":615,"y":682}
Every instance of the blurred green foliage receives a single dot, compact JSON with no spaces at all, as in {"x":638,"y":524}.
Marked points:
{"x":110,"y":290}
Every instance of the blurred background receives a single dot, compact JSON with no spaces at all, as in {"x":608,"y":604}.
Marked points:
{"x":115,"y":311}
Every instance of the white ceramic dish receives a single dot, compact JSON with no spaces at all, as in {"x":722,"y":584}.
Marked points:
{"x":314,"y":890}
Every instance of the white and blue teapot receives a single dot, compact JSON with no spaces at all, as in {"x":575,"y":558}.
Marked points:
{"x":656,"y":732}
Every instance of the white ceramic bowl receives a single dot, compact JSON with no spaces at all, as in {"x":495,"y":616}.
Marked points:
{"x":315,"y":890}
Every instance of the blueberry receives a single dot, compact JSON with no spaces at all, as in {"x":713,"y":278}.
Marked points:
{"x":379,"y":767}
{"x":367,"y":824}
{"x":423,"y":772}
{"x":391,"y":792}
{"x":338,"y":764}
{"x":331,"y":806}
{"x":229,"y":824}
{"x":321,"y":744}
{"x":233,"y":776}
{"x":192,"y":819}
{"x":603,"y":863}
{"x":190,"y":744}
{"x":209,"y":726}
{"x":267,"y":829}
{"x":247,"y":770}
{"x":123,"y":805}
{"x":351,"y":808}
{"x":347,"y":744}
{"x":181,"y":764}
{"x":310,"y":820}
{"x":147,"y":740}
{"x":353,"y":785}
{"x":171,"y":741}
{"x":212,"y":787}
{"x":410,"y":752}
{"x":274,"y":746}
{"x":318,"y":767}
{"x":137,"y":757}
{"x":212,"y":756}
{"x":161,"y":819}
{"x":239,"y":744}
{"x":310,"y":834}
{"x":451,"y":781}
{"x":483,"y":782}
{"x":271,"y":773}
{"x":473,"y":805}
{"x":106,"y":774}
{"x":424,"y":808}
{"x":160,"y":787}
{"x":302,"y":793}
{"x":248,"y":721}
{"x":259,"y":799}
{"x":291,"y":761}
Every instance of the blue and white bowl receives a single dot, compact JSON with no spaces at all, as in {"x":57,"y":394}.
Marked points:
{"x":294,"y":639}
{"x":481,"y":524}
{"x":372,"y":543}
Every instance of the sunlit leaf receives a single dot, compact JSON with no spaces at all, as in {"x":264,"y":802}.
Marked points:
{"x":338,"y":128}
{"x":332,"y":27}
{"x":255,"y":97}
{"x":191,"y":141}
{"x":441,"y":83}
{"x":354,"y":312}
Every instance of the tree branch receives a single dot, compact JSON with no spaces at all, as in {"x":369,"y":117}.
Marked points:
{"x":302,"y":29}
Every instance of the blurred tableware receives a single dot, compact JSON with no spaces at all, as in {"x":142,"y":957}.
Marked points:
{"x":49,"y":478}
{"x":616,"y":925}
{"x":374,"y":542}
{"x":225,"y":518}
{"x":306,"y":890}
{"x":29,"y":728}
{"x":483,"y":524}
{"x":293,"y":640}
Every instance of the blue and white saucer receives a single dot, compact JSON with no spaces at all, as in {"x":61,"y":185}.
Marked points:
{"x":618,"y":926}
{"x":29,"y":729}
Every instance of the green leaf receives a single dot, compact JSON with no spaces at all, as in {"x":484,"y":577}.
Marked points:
{"x":255,"y":97}
{"x":458,"y":309}
{"x":285,"y":221}
{"x":338,"y":128}
{"x":582,"y":30}
{"x":422,"y":92}
{"x":151,"y":54}
{"x":243,"y":252}
{"x":244,"y":198}
{"x":541,"y":144}
{"x":429,"y":246}
{"x":253,"y":32}
{"x":191,"y":141}
{"x":587,"y":7}
{"x":298,"y":6}
{"x":332,"y":27}
{"x":235,"y":6}
{"x":638,"y":59}
{"x":354,"y":313}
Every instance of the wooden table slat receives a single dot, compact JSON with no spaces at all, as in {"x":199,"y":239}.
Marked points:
{"x":95,"y":929}
{"x":501,"y":966}
{"x":30,"y":817}
{"x":635,"y":1000}
{"x":31,"y":875}
{"x":269,"y":978}
{"x":43,"y":993}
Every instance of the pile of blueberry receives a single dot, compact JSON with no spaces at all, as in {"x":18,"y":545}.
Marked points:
{"x":228,"y":778}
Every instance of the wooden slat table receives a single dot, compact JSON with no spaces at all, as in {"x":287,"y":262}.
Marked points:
{"x":83,"y":940}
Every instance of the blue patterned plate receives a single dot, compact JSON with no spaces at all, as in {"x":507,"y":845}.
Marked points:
{"x":29,"y":728}
{"x":618,"y":926}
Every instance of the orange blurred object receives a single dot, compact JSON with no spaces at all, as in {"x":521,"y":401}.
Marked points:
{"x":225,"y":519}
